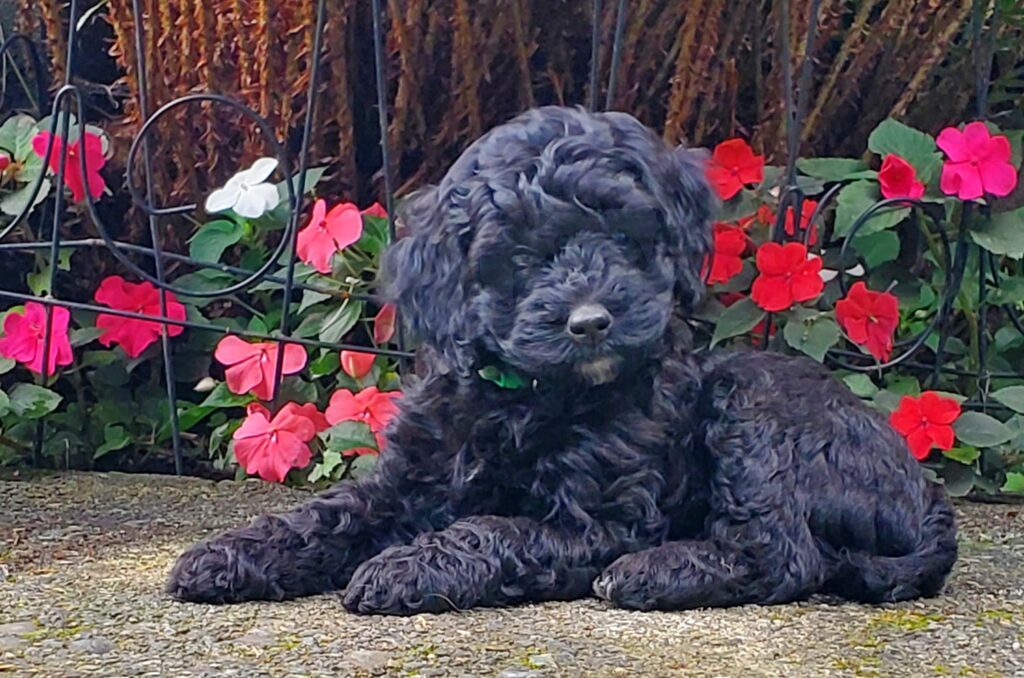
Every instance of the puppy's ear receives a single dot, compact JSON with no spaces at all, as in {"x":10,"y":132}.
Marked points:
{"x":423,"y":273}
{"x":695,"y":203}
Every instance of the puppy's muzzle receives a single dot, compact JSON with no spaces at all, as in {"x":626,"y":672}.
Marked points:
{"x":589,"y":323}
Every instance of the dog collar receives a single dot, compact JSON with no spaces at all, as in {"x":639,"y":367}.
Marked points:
{"x":504,"y":377}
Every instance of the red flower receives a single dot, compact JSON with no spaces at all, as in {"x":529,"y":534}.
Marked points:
{"x":5,"y":162}
{"x":732,"y":165}
{"x":376,"y":210}
{"x":357,"y":364}
{"x":94,"y":162}
{"x":131,"y":334}
{"x":327,"y":233}
{"x":806,"y":211}
{"x":926,"y":422}
{"x":764,"y":216}
{"x":24,"y":337}
{"x":869,"y":319}
{"x":757,"y":332}
{"x":384,"y":324}
{"x":251,"y":366}
{"x":310,"y":412}
{"x":727,"y":258}
{"x":271,"y":446}
{"x":978,"y":163}
{"x":374,"y":408}
{"x":787,"y":276}
{"x":898,"y":179}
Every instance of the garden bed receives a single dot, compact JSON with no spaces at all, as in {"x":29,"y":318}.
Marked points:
{"x":83,"y":558}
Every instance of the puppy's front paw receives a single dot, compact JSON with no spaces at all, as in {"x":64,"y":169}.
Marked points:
{"x":218,"y":571}
{"x":417,"y":578}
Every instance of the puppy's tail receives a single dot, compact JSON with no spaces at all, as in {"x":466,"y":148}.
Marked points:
{"x":921,"y":573}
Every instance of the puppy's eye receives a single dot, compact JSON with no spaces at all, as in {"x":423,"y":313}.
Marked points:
{"x":620,"y":237}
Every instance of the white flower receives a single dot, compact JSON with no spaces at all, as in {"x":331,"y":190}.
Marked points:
{"x":247,"y":193}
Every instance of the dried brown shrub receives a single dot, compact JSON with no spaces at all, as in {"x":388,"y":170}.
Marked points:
{"x":700,"y":71}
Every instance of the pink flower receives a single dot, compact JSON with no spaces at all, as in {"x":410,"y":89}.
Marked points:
{"x":977,"y":163}
{"x":5,"y":162}
{"x":24,"y":337}
{"x":376,"y":210}
{"x":384,"y":324}
{"x":898,"y":179}
{"x":357,"y":364}
{"x":94,"y":162}
{"x":134,"y":336}
{"x":251,"y":366}
{"x":271,"y":446}
{"x":370,"y":406}
{"x":329,"y":232}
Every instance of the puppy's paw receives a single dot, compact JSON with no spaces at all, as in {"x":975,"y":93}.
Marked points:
{"x":217,"y":571}
{"x":625,"y":584}
{"x":417,"y":578}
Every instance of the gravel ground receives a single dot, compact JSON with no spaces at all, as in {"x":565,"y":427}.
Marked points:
{"x":83,"y":558}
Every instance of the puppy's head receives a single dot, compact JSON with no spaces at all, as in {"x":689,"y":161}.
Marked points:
{"x":559,"y":244}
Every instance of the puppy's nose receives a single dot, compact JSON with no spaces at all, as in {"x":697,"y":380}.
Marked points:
{"x":589,"y":322}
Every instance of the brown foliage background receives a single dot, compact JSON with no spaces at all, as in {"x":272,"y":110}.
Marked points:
{"x":701,"y":71}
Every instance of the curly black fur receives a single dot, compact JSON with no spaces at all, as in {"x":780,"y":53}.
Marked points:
{"x":630,"y":466}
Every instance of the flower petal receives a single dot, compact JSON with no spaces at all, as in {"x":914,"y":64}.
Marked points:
{"x":222,"y":199}
{"x":259,"y":172}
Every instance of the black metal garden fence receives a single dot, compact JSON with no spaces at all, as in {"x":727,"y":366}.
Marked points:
{"x":68,"y":101}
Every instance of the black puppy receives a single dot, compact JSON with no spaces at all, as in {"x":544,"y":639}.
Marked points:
{"x":565,"y":439}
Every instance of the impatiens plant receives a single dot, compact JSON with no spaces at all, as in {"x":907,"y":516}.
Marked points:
{"x":864,"y":281}
{"x":856,"y":264}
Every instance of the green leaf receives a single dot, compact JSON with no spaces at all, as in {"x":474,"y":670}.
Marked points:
{"x":964,"y":455}
{"x":33,"y":402}
{"x":347,"y":435}
{"x":878,"y":248}
{"x":855,"y":200}
{"x":16,"y":136}
{"x":362,"y":466}
{"x":339,"y":322}
{"x":325,"y":469}
{"x":1010,"y":291}
{"x":39,"y":282}
{"x":326,"y":364}
{"x":1012,"y":397}
{"x":813,"y":337}
{"x":957,"y":478}
{"x":1002,"y":234}
{"x":220,"y":396}
{"x":312,"y":298}
{"x":14,"y":202}
{"x":84,"y":335}
{"x":5,"y":403}
{"x":1014,"y":483}
{"x":313,"y":177}
{"x":914,"y":146}
{"x":115,"y":437}
{"x":738,"y":319}
{"x":981,"y":430}
{"x":835,"y":169}
{"x":6,"y":365}
{"x":210,"y":241}
{"x":861,"y":385}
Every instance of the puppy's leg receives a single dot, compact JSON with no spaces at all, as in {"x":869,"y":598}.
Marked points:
{"x":757,"y":546}
{"x":311,"y":549}
{"x":479,"y":561}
